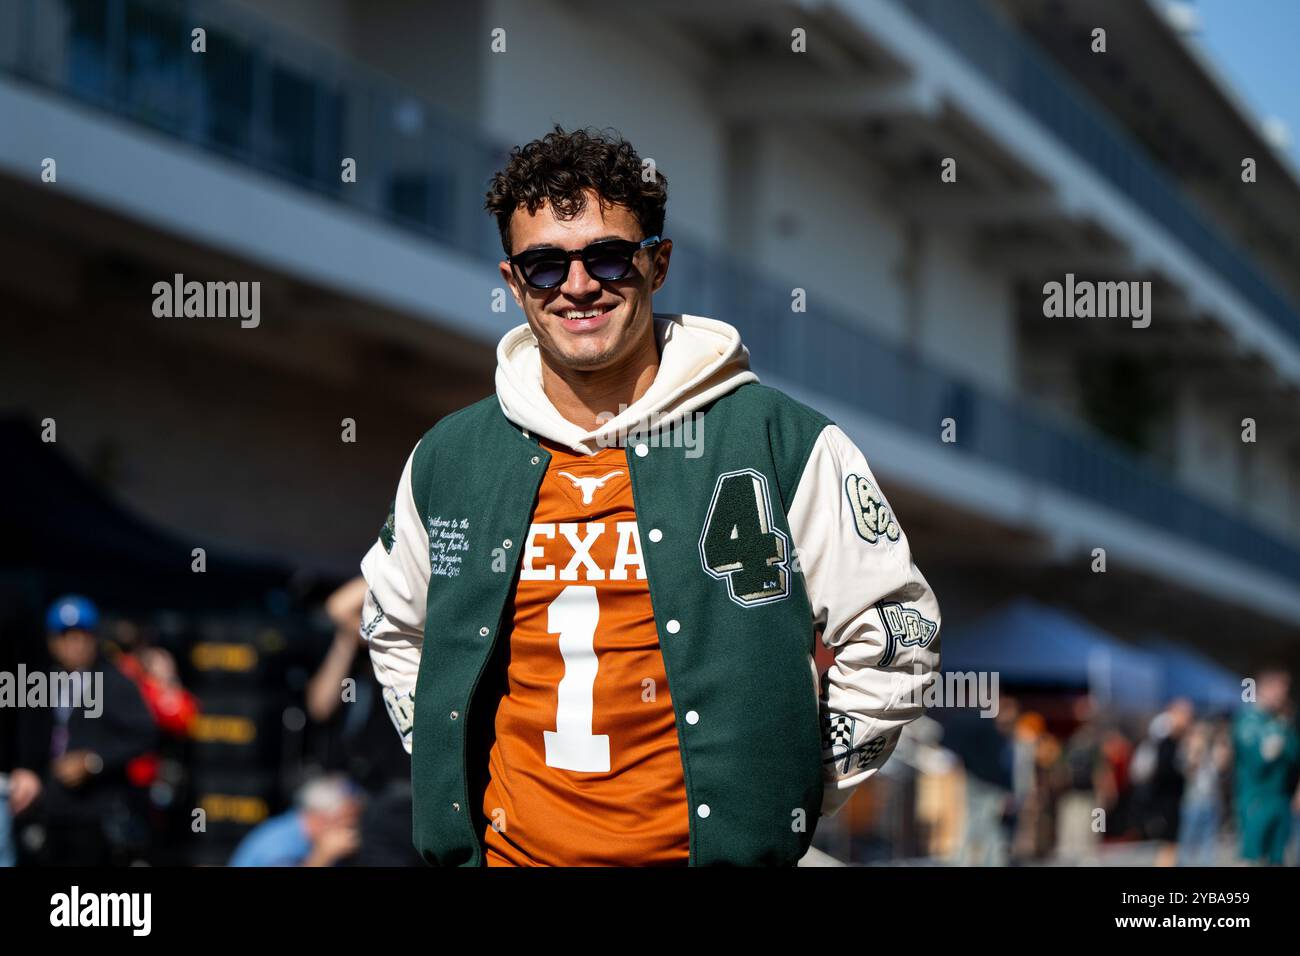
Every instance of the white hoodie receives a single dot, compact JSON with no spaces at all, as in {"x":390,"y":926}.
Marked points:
{"x":699,"y":360}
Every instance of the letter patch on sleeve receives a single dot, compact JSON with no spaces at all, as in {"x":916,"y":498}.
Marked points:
{"x":871,"y":515}
{"x":401,"y":710}
{"x":906,"y":627}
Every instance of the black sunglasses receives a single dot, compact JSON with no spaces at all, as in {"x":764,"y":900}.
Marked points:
{"x":608,"y":260}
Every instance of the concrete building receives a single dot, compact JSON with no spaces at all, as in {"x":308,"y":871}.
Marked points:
{"x":805,"y":147}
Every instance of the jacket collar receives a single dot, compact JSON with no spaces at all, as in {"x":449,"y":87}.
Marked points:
{"x":700,"y":360}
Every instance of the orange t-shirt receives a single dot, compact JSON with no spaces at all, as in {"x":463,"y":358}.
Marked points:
{"x":585,"y":769}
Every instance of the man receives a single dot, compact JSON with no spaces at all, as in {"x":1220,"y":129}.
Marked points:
{"x":1266,"y":751}
{"x":320,"y":829}
{"x":1159,"y":767}
{"x":1076,"y":835}
{"x":1207,"y":755}
{"x":24,"y":731}
{"x":359,"y":738}
{"x":985,"y":749}
{"x":594,"y":605}
{"x":154,"y":672}
{"x":87,"y":800}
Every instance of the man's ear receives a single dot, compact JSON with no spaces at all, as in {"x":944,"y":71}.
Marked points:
{"x":508,"y":274}
{"x":664,"y":253}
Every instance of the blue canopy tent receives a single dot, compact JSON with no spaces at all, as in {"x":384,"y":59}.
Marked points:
{"x":1191,"y":675}
{"x":1029,"y":643}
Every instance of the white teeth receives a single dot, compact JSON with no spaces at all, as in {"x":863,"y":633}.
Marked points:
{"x":589,"y":314}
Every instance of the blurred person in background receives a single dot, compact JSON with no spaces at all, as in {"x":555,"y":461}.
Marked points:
{"x":1050,"y":781}
{"x":1006,"y":720}
{"x":1076,"y":837}
{"x":1116,"y":794}
{"x":1265,"y":753}
{"x":1293,"y":786}
{"x":87,"y":807}
{"x":320,"y":829}
{"x":1036,"y":782}
{"x":153,"y":671}
{"x":984,"y":748}
{"x":1026,"y":730}
{"x":20,"y":785}
{"x":372,"y":755}
{"x":1206,"y":756}
{"x":24,"y":739}
{"x":1157,"y":769}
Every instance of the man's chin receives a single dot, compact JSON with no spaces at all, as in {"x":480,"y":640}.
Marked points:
{"x":586,"y":361}
{"x":584,"y":355}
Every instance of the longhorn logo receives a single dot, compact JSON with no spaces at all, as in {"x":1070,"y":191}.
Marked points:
{"x":588,"y":486}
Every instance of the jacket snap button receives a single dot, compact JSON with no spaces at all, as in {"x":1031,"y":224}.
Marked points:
{"x":456,"y":807}
{"x":456,"y":713}
{"x":692,"y":717}
{"x":482,"y":632}
{"x":702,"y":810}
{"x":536,"y":459}
{"x":673,"y":626}
{"x":642,"y":450}
{"x":507,"y":544}
{"x":656,"y":535}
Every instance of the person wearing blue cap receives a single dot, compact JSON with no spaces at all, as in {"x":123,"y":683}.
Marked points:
{"x":87,"y":801}
{"x":72,"y":612}
{"x":70,"y":624}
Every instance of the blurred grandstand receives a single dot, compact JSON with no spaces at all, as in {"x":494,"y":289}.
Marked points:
{"x":817,"y":172}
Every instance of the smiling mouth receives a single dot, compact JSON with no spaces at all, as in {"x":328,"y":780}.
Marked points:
{"x":585,"y":320}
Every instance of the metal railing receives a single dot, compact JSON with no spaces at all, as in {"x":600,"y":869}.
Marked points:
{"x":828,"y":352}
{"x":1026,"y":75}
{"x":262,"y":99}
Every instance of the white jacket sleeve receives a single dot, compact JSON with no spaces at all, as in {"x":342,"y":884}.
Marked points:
{"x":876,"y":613}
{"x":396,"y":570}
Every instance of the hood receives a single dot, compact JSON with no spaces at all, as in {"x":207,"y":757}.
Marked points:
{"x":699,"y":360}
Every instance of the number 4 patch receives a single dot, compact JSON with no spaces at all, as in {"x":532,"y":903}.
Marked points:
{"x":739,"y":543}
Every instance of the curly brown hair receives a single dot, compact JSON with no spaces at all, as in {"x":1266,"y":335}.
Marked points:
{"x":558,"y":168}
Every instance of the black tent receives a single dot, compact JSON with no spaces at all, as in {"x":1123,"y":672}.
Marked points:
{"x":61,"y":532}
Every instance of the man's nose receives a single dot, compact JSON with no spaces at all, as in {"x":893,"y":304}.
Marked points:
{"x":579,"y":282}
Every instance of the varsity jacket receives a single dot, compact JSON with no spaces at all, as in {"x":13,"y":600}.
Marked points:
{"x":762,"y":530}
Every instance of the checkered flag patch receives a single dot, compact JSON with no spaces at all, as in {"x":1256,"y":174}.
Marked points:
{"x":837,"y":737}
{"x":870,"y":750}
{"x":837,"y":732}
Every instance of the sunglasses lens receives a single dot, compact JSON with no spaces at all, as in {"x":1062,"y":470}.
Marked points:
{"x":609,"y":262}
{"x":545,"y":272}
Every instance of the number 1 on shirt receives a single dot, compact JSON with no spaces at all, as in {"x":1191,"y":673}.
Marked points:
{"x":572,"y":746}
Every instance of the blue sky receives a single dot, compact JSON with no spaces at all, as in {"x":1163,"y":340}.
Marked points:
{"x":1256,"y":45}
